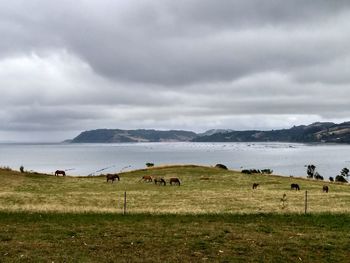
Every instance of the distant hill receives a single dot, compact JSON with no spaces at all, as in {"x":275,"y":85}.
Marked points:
{"x":317,"y":132}
{"x":116,"y":135}
{"x":327,"y":132}
{"x":213,"y":131}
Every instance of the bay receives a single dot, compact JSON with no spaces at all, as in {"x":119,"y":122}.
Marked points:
{"x":94,"y":159}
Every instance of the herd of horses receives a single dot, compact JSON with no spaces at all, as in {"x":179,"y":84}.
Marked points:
{"x":145,"y":178}
{"x":295,"y":187}
{"x":161,"y":180}
{"x":176,"y":181}
{"x":148,"y":178}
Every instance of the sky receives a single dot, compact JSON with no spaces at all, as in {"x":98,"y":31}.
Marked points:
{"x":187,"y":64}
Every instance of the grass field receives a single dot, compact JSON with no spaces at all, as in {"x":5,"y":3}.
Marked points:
{"x":222,"y":192}
{"x":47,"y":237}
{"x":44,"y":218}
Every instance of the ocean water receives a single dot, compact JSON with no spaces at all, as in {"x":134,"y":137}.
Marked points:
{"x":93,"y":159}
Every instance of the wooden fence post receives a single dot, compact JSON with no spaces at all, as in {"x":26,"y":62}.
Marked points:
{"x":124,"y":209}
{"x":305,"y":202}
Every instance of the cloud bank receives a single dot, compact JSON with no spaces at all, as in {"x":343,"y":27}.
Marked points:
{"x":194,"y":64}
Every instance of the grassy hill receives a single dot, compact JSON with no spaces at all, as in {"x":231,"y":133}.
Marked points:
{"x":214,"y":216}
{"x":203,"y":190}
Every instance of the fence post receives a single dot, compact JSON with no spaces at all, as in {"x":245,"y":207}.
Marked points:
{"x":124,"y":209}
{"x":305,"y":202}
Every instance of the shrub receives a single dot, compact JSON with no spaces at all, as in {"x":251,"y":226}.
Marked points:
{"x":149,"y":164}
{"x":21,"y":169}
{"x":318,"y":176}
{"x":221,"y":166}
{"x":340,"y":179}
{"x":252,"y":171}
{"x":331,"y":179}
{"x":266,"y":171}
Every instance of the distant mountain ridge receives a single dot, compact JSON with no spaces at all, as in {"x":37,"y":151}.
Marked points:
{"x":326,"y":132}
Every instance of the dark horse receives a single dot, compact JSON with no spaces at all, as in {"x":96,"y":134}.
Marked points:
{"x":174,"y":180}
{"x":159,"y":181}
{"x":325,"y":189}
{"x":255,"y":186}
{"x":294,"y":187}
{"x":112,"y":177}
{"x":58,"y":172}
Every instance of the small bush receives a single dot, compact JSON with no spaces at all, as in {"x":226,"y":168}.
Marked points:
{"x":252,"y":171}
{"x":331,"y":179}
{"x":221,"y":166}
{"x":318,"y":176}
{"x":21,"y":169}
{"x":340,"y":179}
{"x":149,"y":164}
{"x":266,"y":171}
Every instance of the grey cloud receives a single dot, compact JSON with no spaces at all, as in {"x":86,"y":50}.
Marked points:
{"x":172,"y":64}
{"x":120,"y":45}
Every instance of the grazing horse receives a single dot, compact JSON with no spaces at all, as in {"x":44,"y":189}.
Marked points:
{"x":58,"y":172}
{"x":294,"y":187}
{"x":159,"y":181}
{"x":112,"y":177}
{"x":325,"y":189}
{"x":255,"y":186}
{"x":147,"y":178}
{"x":174,"y":180}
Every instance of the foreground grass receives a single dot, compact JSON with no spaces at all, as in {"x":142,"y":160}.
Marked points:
{"x":57,"y":237}
{"x":222,"y":192}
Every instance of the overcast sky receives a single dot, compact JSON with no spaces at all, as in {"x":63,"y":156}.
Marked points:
{"x":68,"y":66}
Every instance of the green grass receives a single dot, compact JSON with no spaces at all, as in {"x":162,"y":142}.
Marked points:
{"x":57,"y":237}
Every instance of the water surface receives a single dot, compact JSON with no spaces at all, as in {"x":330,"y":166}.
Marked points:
{"x":93,"y":159}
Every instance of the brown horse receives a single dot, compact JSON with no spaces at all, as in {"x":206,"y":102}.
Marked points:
{"x":174,"y":180}
{"x":58,"y":172}
{"x":325,"y":189}
{"x":147,"y":178}
{"x":159,"y":181}
{"x":112,"y":177}
{"x":255,"y":186}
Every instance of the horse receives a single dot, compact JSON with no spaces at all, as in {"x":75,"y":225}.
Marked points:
{"x":255,"y":186}
{"x":146,"y":178}
{"x":294,"y":187}
{"x":58,"y":172}
{"x":159,"y":181}
{"x":174,"y":180}
{"x":325,"y":189}
{"x":112,"y":177}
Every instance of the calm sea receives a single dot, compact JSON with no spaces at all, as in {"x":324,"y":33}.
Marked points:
{"x":93,"y":159}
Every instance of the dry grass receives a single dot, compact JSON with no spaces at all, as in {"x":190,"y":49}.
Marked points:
{"x":222,"y":192}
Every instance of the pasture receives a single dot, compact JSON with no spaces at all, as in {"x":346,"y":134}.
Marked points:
{"x":214,"y":216}
{"x":203,"y":190}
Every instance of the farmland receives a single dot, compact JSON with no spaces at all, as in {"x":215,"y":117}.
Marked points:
{"x":214,"y":216}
